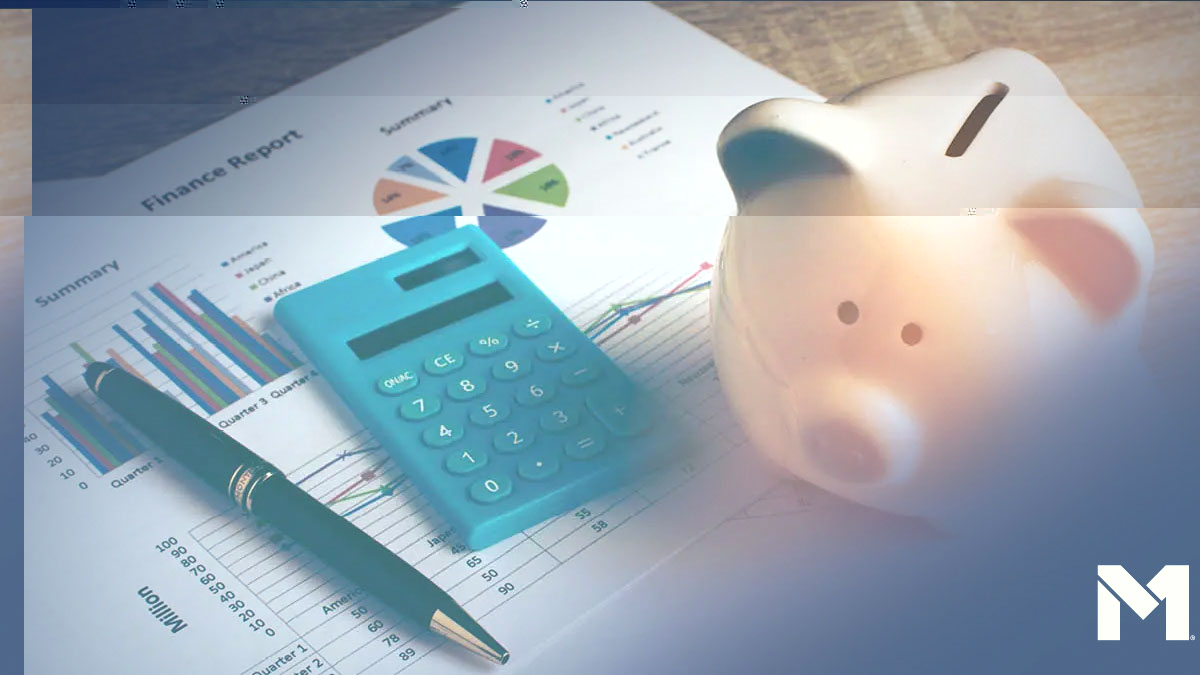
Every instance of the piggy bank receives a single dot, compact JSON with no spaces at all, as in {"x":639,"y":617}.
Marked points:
{"x":910,"y":259}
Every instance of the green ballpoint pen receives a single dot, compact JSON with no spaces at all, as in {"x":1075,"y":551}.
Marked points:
{"x":262,"y":490}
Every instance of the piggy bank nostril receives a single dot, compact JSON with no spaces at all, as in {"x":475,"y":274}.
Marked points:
{"x":845,"y":452}
{"x":847,"y":312}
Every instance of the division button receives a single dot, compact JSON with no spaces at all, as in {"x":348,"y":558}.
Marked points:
{"x":539,"y":467}
{"x":492,"y":489}
{"x":532,"y":325}
{"x":397,"y":383}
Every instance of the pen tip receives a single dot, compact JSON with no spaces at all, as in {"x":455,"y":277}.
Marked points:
{"x":468,"y":633}
{"x":94,"y":371}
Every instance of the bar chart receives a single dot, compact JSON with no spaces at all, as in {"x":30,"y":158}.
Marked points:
{"x":212,"y":357}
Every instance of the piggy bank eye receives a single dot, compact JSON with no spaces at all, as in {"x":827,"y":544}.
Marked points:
{"x":847,"y":312}
{"x":911,"y":334}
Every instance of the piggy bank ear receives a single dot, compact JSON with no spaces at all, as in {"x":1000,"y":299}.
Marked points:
{"x":1101,"y":252}
{"x":792,"y":142}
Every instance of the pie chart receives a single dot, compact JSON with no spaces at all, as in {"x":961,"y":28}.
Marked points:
{"x":444,"y":179}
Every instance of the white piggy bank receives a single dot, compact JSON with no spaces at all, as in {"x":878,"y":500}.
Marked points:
{"x":910,"y":257}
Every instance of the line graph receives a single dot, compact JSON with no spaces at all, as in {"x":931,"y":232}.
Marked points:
{"x":610,"y":324}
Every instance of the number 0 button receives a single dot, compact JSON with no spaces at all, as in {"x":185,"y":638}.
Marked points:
{"x":490,"y":490}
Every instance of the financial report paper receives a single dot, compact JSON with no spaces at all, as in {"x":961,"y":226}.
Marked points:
{"x":149,"y":570}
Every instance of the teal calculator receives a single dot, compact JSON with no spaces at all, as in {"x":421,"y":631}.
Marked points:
{"x":498,"y":408}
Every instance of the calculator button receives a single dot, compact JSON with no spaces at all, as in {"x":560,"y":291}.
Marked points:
{"x":538,"y":467}
{"x":466,"y":388}
{"x":420,"y":407}
{"x":555,"y":349}
{"x":444,"y":362}
{"x":535,"y":393}
{"x":397,"y":383}
{"x":490,"y":412}
{"x":490,"y":490}
{"x":584,"y":444}
{"x":514,"y":438}
{"x":532,"y":326}
{"x":580,"y":373}
{"x":442,"y":434}
{"x":511,"y":369}
{"x":486,"y":345}
{"x":621,"y":412}
{"x":463,"y":462}
{"x":560,"y":417}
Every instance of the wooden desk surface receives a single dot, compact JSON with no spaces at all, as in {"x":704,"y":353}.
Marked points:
{"x":1134,"y":67}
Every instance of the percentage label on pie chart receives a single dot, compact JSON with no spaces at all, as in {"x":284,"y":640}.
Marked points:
{"x":439,"y":170}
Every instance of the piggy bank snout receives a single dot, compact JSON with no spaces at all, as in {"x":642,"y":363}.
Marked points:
{"x":862,"y":436}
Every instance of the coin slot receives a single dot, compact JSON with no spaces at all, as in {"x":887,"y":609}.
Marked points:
{"x":975,"y":121}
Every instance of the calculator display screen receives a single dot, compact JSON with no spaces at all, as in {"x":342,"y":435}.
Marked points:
{"x":428,"y":320}
{"x":437,"y":269}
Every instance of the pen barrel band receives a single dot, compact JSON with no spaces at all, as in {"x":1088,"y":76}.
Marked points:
{"x":245,"y":479}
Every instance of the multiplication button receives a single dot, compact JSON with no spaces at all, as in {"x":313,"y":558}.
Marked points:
{"x":555,"y":349}
{"x":444,"y":362}
{"x":532,"y":325}
{"x":397,"y":382}
{"x":491,"y":490}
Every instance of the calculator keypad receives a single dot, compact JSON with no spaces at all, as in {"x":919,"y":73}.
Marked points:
{"x":565,"y":414}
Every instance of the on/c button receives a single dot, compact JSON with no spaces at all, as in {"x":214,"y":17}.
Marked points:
{"x":397,"y":383}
